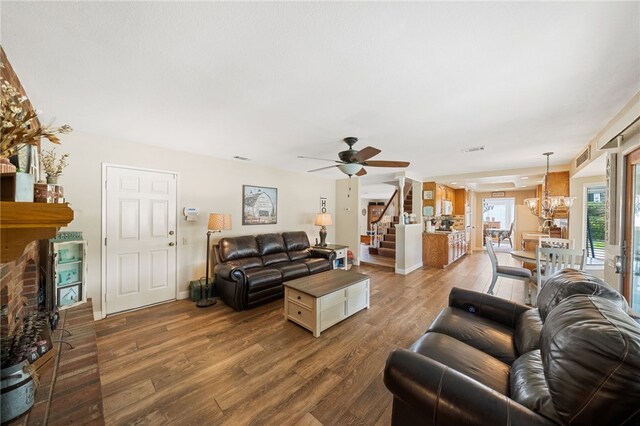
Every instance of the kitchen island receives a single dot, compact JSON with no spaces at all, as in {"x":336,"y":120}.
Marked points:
{"x":441,"y":248}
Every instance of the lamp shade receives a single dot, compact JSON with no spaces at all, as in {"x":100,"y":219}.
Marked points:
{"x":219,"y":222}
{"x":323,"y":219}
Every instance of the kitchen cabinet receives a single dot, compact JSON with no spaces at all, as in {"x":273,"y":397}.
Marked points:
{"x":460,"y":202}
{"x":441,"y":249}
{"x":439,"y":193}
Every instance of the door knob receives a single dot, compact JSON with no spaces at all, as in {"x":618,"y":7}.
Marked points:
{"x":171,"y":232}
{"x":172,"y":244}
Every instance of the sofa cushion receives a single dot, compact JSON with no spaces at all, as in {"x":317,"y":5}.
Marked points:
{"x":484,"y":334}
{"x":315,"y":264}
{"x":527,"y":332}
{"x":465,"y":359}
{"x":260,"y":278}
{"x":238,"y":248}
{"x":291,"y":271}
{"x":529,"y":387}
{"x":297,"y":244}
{"x":568,"y":282}
{"x":270,"y":243}
{"x":591,"y":356}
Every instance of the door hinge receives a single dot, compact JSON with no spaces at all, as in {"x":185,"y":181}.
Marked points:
{"x":105,"y":241}
{"x":105,"y":185}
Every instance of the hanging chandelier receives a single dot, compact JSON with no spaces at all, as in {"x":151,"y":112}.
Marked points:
{"x":548,"y":205}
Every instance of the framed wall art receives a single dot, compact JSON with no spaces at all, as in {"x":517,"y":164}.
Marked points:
{"x":259,"y":205}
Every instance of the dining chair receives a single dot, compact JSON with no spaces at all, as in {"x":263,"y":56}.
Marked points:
{"x":513,"y":272}
{"x":506,"y":235}
{"x":549,"y":260}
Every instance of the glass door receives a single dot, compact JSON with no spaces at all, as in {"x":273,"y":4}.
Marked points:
{"x":632,"y":230}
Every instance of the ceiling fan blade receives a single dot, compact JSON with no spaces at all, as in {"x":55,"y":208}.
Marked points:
{"x":383,"y":163}
{"x":362,"y":172}
{"x":323,"y":159}
{"x":364,"y":154}
{"x":322,"y":168}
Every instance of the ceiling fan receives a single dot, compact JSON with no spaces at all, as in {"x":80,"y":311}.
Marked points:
{"x":352,"y":162}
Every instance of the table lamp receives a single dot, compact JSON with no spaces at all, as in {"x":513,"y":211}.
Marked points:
{"x":323,"y":220}
{"x":218,"y":222}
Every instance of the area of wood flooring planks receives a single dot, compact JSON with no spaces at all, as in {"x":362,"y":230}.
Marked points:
{"x":179,"y":364}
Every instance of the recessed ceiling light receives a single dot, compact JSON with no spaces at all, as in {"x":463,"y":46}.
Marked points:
{"x":454,"y":183}
{"x":237,"y":157}
{"x":473,"y":149}
{"x":524,"y":177}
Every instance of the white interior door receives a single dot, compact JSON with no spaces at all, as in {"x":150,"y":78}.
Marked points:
{"x":140,"y":238}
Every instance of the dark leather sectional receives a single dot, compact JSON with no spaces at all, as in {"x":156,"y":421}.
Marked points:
{"x":487,"y":361}
{"x":250,"y":270}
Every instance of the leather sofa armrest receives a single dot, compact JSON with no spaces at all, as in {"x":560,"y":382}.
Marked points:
{"x":229,"y":272}
{"x":491,"y":307}
{"x":430,"y":393}
{"x":325,"y":253}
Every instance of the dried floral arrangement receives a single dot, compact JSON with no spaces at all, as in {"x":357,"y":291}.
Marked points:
{"x":51,"y":165}
{"x":20,"y":124}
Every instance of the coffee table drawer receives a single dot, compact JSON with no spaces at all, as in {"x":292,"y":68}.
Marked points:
{"x":301,"y":298}
{"x":357,"y":302}
{"x":304,"y":316}
{"x":332,"y":315}
{"x":331,"y":299}
{"x":355,"y":289}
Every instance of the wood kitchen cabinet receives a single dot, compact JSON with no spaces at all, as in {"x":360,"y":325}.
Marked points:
{"x":460,"y":202}
{"x":439,"y":193}
{"x":441,"y":249}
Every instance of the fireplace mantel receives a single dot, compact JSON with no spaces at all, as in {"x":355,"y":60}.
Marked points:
{"x":21,"y":223}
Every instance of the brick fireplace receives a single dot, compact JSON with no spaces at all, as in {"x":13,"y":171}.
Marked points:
{"x":19,"y":288}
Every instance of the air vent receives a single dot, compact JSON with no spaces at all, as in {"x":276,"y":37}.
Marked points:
{"x":584,"y":157}
{"x":237,"y":157}
{"x":474,"y":149}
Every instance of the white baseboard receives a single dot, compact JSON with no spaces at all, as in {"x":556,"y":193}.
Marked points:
{"x":184,"y":295}
{"x":97,"y":315}
{"x":408,"y":270}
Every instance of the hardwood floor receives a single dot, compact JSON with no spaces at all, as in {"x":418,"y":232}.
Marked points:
{"x":179,"y":364}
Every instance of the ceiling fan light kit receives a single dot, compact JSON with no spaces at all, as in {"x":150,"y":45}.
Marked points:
{"x":352,"y":162}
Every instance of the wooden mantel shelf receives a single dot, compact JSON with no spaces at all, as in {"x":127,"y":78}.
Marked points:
{"x":21,"y":223}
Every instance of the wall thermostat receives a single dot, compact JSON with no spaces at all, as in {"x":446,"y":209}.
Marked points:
{"x":191,"y":213}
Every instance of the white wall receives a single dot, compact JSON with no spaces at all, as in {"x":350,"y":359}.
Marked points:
{"x":213,"y":185}
{"x":348,"y":207}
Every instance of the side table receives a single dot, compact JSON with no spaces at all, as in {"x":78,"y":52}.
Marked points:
{"x":341,"y":255}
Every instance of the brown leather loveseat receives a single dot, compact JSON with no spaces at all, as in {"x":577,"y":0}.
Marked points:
{"x":575,"y":360}
{"x":250,"y":270}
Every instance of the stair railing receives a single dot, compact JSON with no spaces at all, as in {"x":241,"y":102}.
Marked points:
{"x":381,"y":225}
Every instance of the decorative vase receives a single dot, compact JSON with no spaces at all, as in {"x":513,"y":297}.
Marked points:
{"x":52,"y":180}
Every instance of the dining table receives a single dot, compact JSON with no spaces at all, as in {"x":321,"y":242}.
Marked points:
{"x":528,"y":256}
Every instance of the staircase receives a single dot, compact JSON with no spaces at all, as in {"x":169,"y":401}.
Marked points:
{"x":388,"y":244}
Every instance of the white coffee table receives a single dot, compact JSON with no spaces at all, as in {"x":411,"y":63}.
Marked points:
{"x":321,"y":300}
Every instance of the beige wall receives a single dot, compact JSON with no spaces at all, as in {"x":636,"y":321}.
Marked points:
{"x":519,"y":197}
{"x":348,"y":211}
{"x":208,"y":183}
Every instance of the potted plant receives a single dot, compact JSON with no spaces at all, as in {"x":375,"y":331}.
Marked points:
{"x":52,"y":165}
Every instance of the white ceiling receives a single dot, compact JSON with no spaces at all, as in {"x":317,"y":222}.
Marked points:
{"x":274,"y":80}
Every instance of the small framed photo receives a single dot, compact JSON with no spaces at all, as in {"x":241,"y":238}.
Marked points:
{"x":428,"y":195}
{"x":68,"y":295}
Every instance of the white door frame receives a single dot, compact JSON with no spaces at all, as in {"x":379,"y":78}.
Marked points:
{"x":102,"y":313}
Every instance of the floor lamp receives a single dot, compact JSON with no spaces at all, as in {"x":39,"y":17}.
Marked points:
{"x":218,"y":222}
